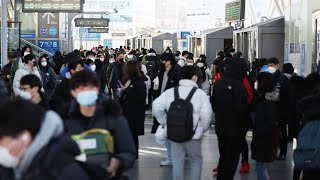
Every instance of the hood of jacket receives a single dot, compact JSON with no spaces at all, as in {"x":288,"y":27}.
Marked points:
{"x":51,"y":127}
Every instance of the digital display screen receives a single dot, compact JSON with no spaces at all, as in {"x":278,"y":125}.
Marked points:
{"x":52,"y":5}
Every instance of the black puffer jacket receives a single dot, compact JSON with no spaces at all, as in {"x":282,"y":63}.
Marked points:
{"x":230,"y":102}
{"x":124,"y":145}
{"x":264,"y":145}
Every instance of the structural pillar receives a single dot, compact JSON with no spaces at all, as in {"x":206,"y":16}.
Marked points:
{"x":4,"y":33}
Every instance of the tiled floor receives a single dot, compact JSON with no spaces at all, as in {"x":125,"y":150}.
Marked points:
{"x":151,"y":153}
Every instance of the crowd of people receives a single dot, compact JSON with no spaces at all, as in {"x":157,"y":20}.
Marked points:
{"x":89,"y":107}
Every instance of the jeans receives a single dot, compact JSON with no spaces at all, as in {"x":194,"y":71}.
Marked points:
{"x":179,"y":150}
{"x":168,"y":145}
{"x":261,"y":170}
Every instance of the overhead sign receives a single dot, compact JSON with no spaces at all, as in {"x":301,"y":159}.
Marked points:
{"x":49,"y":45}
{"x":92,"y":22}
{"x":48,"y":24}
{"x":52,"y":5}
{"x":235,"y":11}
{"x":98,"y":30}
{"x":87,"y":35}
{"x":184,"y":35}
{"x":28,"y":36}
{"x":119,"y":34}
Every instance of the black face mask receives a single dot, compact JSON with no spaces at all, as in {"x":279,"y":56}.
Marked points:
{"x":121,"y":60}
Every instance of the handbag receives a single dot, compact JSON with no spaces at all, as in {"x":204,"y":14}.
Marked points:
{"x":161,"y":135}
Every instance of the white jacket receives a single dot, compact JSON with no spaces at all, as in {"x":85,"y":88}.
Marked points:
{"x":202,"y":110}
{"x":25,"y":70}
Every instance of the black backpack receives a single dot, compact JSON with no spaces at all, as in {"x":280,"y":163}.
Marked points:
{"x":180,"y":118}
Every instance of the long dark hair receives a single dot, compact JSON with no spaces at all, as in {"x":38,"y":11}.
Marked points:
{"x":133,"y":70}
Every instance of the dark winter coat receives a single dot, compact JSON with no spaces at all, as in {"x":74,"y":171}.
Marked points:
{"x":134,"y":105}
{"x":101,"y":74}
{"x":49,"y":79}
{"x":62,"y":96}
{"x":124,"y":145}
{"x":5,"y":71}
{"x":298,"y":91}
{"x":54,"y":162}
{"x":58,"y":60}
{"x":114,"y":75}
{"x":174,"y":77}
{"x":3,"y":88}
{"x":230,"y":102}
{"x":283,"y":86}
{"x":266,"y":134}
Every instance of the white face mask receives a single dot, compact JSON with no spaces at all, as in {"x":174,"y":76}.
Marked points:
{"x":93,"y":67}
{"x":25,"y":95}
{"x":189,"y":64}
{"x":6,"y":159}
{"x":111,"y":60}
{"x":130,"y":56}
{"x":200,"y":65}
{"x":26,"y":53}
{"x":44,"y":63}
{"x":93,"y":59}
{"x":256,"y":85}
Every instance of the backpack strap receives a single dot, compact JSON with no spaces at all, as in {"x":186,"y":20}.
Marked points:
{"x":176,"y":93}
{"x":194,"y":89}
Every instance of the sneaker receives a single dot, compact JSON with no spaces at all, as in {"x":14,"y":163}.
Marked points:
{"x":166,"y":162}
{"x":281,"y":157}
{"x":244,"y":167}
{"x":215,"y":170}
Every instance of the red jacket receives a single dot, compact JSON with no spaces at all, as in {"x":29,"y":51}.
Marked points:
{"x":249,"y":90}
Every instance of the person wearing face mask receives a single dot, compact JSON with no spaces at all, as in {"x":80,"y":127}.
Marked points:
{"x":32,"y":147}
{"x":202,"y":112}
{"x":49,"y":78}
{"x":101,"y":71}
{"x":88,"y":112}
{"x":29,"y":67}
{"x":5,"y":71}
{"x":30,"y":86}
{"x":61,"y":94}
{"x":169,"y":76}
{"x":190,"y":62}
{"x":116,"y":74}
{"x":19,"y":63}
{"x":266,"y":133}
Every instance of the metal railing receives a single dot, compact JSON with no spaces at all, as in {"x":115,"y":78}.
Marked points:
{"x":35,"y":52}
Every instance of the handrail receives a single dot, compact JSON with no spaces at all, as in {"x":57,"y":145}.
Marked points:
{"x":32,"y":45}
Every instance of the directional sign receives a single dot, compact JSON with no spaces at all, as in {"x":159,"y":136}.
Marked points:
{"x":92,"y":22}
{"x":87,"y":35}
{"x":98,"y":30}
{"x":52,"y":5}
{"x":48,"y":24}
{"x":49,"y":45}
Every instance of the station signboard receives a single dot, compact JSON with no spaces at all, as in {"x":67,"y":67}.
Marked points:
{"x":52,"y":5}
{"x":92,"y":22}
{"x":98,"y":30}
